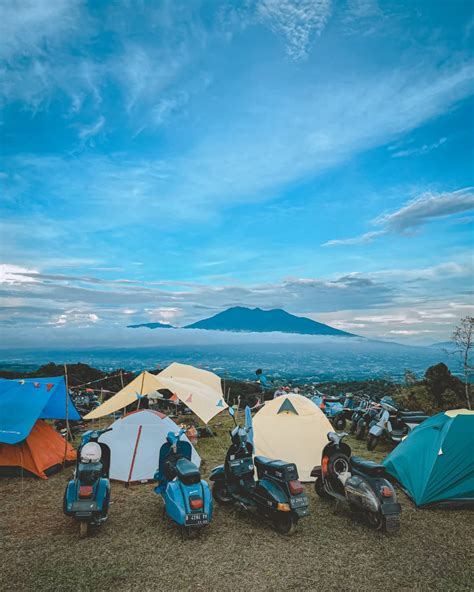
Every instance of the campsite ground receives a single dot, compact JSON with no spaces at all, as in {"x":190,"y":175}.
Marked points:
{"x":139,"y":549}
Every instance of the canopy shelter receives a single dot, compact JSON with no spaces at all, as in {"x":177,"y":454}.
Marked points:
{"x":435,"y":463}
{"x":292,"y":428}
{"x":199,"y":389}
{"x":135,"y":442}
{"x":41,"y":454}
{"x":24,"y":401}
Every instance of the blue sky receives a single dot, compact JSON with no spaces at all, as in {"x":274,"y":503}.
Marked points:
{"x":166,"y":160}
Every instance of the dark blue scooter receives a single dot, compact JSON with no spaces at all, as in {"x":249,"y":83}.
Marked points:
{"x":87,"y":494}
{"x":187,"y":498}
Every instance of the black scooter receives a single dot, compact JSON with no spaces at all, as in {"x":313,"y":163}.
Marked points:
{"x":358,"y":482}
{"x":277,"y":494}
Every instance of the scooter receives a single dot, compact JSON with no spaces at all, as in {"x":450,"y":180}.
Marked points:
{"x":368,"y":419}
{"x":358,"y":482}
{"x":344,"y":414}
{"x":187,"y":498}
{"x":358,"y":412}
{"x":87,"y":494}
{"x":393,"y":424}
{"x":277,"y":494}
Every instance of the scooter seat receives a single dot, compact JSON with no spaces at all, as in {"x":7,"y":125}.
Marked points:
{"x":260,"y":461}
{"x":187,"y":471}
{"x":367,"y":466}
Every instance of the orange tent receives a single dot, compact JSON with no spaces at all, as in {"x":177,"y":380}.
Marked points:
{"x":40,"y":454}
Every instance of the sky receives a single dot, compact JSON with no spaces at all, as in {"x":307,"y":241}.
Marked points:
{"x":162,"y":161}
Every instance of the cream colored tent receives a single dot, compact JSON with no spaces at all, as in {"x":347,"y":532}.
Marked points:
{"x":294,"y":429}
{"x":199,"y":389}
{"x":144,"y":384}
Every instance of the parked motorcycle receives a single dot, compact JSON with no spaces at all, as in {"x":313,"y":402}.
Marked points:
{"x":369,"y":417}
{"x":187,"y":497}
{"x":358,"y":412}
{"x":87,"y":494}
{"x":276,"y":494}
{"x":358,"y":482}
{"x":393,"y":424}
{"x":341,"y":416}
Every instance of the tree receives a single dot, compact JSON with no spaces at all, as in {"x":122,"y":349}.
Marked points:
{"x":463,"y":338}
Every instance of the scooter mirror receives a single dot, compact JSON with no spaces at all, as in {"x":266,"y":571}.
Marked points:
{"x":231,"y":411}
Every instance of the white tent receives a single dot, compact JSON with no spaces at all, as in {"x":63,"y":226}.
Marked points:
{"x":294,"y":429}
{"x":199,"y":389}
{"x":135,"y":442}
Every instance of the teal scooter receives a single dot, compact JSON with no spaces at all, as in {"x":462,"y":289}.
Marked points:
{"x":187,"y":498}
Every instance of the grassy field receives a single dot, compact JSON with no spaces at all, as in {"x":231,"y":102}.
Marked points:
{"x":140,"y":549}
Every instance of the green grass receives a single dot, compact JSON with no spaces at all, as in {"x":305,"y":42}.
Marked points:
{"x":140,"y":549}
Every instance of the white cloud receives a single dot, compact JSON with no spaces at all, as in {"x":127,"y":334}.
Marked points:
{"x":15,"y":274}
{"x":89,"y":131}
{"x":416,"y":213}
{"x":421,"y":150}
{"x":297,"y":20}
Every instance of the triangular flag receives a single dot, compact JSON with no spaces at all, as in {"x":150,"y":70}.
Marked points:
{"x":21,"y":381}
{"x":140,"y":396}
{"x":189,"y":399}
{"x":220,"y":403}
{"x":36,"y":384}
{"x":173,"y":397}
{"x":49,"y":386}
{"x":288,"y":407}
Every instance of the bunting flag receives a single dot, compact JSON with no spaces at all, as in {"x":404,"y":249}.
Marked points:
{"x":173,"y":397}
{"x":189,"y":399}
{"x":21,"y":381}
{"x":49,"y":386}
{"x":36,"y":384}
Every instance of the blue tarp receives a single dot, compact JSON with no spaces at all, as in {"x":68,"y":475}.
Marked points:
{"x":24,"y":401}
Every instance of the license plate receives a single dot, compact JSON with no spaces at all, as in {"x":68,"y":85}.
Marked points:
{"x":299,"y":501}
{"x":200,"y":519}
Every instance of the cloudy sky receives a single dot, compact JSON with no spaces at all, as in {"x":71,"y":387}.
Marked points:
{"x":166,"y":160}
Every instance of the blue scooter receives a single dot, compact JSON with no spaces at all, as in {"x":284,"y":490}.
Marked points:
{"x":187,"y":498}
{"x":87,"y":494}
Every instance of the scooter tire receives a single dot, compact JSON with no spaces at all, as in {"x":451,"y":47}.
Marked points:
{"x":285,"y":523}
{"x":221,"y":494}
{"x":339,"y":423}
{"x":375,"y":520}
{"x":360,"y":431}
{"x":353,"y":427}
{"x":372,"y":442}
{"x":83,"y":529}
{"x":189,"y":532}
{"x":320,"y":489}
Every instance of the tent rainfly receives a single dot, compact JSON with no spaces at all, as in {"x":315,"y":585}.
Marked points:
{"x":292,"y":428}
{"x":199,"y":389}
{"x":24,"y":401}
{"x":435,"y":463}
{"x":135,"y":442}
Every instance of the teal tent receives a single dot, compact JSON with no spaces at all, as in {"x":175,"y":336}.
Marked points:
{"x":435,"y":463}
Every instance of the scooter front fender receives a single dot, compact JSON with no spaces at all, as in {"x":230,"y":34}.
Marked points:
{"x":316,"y":472}
{"x":217,"y":474}
{"x":376,"y":430}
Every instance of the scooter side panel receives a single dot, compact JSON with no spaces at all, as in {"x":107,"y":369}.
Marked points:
{"x":217,"y":474}
{"x":376,"y":430}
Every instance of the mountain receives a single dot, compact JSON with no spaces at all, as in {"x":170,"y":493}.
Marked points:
{"x":257,"y":320}
{"x":151,"y":326}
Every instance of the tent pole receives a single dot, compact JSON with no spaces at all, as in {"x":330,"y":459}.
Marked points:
{"x":67,"y":416}
{"x":141,"y":390}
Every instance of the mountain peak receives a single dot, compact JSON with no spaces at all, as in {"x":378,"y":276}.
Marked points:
{"x":257,"y":320}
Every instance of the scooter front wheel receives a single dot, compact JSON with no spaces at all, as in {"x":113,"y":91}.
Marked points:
{"x":339,"y":423}
{"x":221,"y":493}
{"x":285,"y":523}
{"x":372,"y":442}
{"x":360,"y":430}
{"x":83,"y":529}
{"x":320,"y":489}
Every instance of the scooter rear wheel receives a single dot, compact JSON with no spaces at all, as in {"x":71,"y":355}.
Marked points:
{"x":83,"y":529}
{"x":360,"y":430}
{"x":221,"y":493}
{"x":339,"y":423}
{"x":285,"y":523}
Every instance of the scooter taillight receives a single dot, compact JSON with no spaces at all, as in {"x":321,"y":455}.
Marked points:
{"x":86,"y":491}
{"x":324,"y":465}
{"x":196,"y":503}
{"x":386,"y":491}
{"x":295,"y":487}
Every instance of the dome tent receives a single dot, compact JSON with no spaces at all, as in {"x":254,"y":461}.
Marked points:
{"x":135,"y":442}
{"x":292,"y":428}
{"x":435,"y":463}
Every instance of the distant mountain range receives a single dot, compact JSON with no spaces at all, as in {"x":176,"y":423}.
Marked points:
{"x":256,"y":320}
{"x":151,"y":326}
